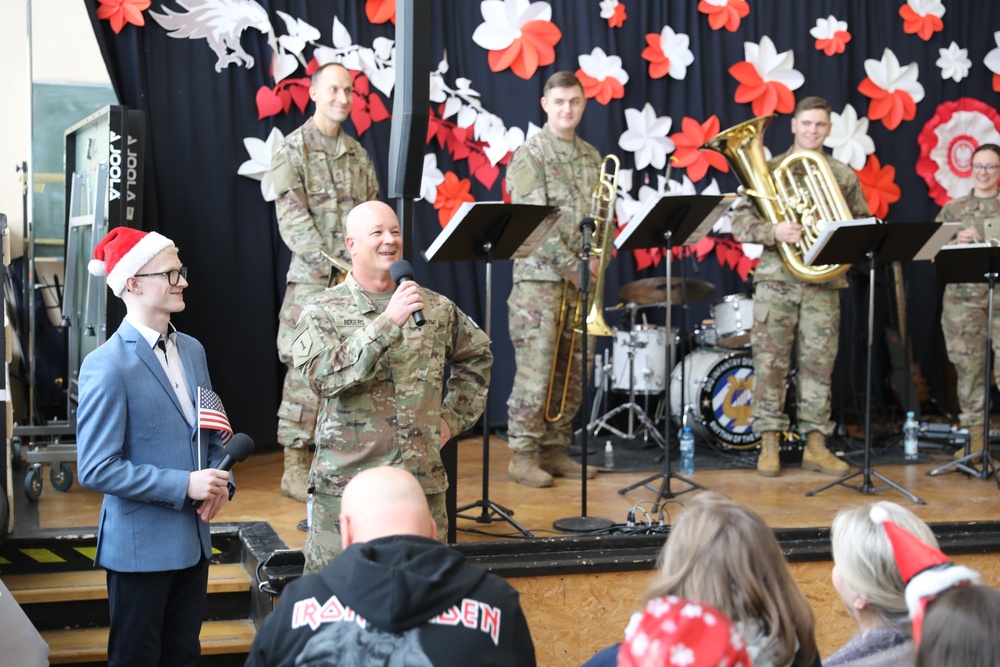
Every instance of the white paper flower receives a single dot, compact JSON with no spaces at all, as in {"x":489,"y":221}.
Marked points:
{"x":849,"y":138}
{"x":954,"y":63}
{"x":828,"y":28}
{"x":299,"y":34}
{"x":646,"y":137}
{"x":599,"y":65}
{"x":608,"y":8}
{"x":888,"y":75}
{"x":677,"y":48}
{"x":431,"y":179}
{"x":773,"y":66}
{"x":927,"y":7}
{"x":502,"y":21}
{"x":992,"y":59}
{"x":258,"y":167}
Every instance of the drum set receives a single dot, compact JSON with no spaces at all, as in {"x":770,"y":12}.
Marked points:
{"x":710,"y":384}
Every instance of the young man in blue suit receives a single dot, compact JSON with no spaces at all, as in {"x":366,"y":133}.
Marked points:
{"x":138,"y":444}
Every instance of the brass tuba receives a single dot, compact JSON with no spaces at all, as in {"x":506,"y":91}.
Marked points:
{"x":602,"y":210}
{"x":801,"y":188}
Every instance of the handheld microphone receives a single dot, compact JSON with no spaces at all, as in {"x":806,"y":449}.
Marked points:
{"x":238,"y":449}
{"x":587,"y":226}
{"x":400,"y":272}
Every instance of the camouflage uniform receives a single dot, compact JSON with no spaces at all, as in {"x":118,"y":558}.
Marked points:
{"x":318,"y":179}
{"x":547,"y":170}
{"x":963,"y":313}
{"x":380,"y":395}
{"x":787,"y":310}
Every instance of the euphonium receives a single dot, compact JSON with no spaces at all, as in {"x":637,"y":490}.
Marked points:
{"x":602,"y":210}
{"x":801,"y":188}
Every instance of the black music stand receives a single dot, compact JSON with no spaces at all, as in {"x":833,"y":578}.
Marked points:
{"x":973,"y":263}
{"x":846,"y":242}
{"x":491,"y":230}
{"x":662,"y":222}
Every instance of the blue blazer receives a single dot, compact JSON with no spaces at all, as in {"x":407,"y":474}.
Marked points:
{"x":135,"y":446}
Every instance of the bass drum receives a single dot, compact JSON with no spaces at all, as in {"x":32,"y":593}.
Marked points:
{"x":719,"y":384}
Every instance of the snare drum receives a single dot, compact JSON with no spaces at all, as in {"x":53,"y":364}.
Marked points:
{"x":705,"y":334}
{"x":719,"y":384}
{"x":650,"y":361}
{"x":733,"y":317}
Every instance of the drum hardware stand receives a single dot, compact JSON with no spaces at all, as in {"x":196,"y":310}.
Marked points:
{"x":491,"y":230}
{"x":839,"y":243}
{"x":952,"y":265}
{"x":662,"y":221}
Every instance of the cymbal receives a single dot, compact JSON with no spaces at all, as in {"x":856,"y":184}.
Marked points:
{"x":653,"y":290}
{"x":630,"y":305}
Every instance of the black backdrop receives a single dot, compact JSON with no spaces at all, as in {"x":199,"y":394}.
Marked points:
{"x":198,"y":118}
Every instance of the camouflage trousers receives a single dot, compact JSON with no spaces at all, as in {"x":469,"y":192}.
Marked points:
{"x":297,"y":412}
{"x":964,"y":328}
{"x":323,"y":542}
{"x":808,"y":316}
{"x":533,"y":319}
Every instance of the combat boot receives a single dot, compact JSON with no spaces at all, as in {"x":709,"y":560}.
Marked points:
{"x":817,"y":457}
{"x":296,"y":476}
{"x":524,"y":470}
{"x":555,"y":462}
{"x":975,"y":444}
{"x":768,"y":461}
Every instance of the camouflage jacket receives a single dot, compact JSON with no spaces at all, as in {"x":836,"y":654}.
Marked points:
{"x":984,"y":215}
{"x":549,"y":171}
{"x":380,"y":385}
{"x":749,"y":228}
{"x":316,"y":190}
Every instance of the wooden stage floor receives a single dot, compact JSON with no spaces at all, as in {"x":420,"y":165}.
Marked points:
{"x":561,"y":638}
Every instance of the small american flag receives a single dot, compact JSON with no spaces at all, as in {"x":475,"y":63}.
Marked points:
{"x":212,"y":415}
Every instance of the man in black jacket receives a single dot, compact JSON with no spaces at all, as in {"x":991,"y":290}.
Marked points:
{"x":395,"y":596}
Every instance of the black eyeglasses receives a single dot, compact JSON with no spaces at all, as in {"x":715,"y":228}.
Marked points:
{"x":173,"y":276}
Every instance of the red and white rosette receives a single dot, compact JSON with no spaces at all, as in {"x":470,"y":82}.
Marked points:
{"x":947,"y":143}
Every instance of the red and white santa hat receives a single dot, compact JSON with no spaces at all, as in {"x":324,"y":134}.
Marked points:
{"x":927,"y":571}
{"x":122,"y":254}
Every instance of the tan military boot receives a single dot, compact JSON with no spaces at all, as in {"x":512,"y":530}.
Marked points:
{"x":975,"y":444}
{"x":768,"y":461}
{"x":817,"y":457}
{"x":554,"y":461}
{"x":295,"y":478}
{"x":524,"y":470}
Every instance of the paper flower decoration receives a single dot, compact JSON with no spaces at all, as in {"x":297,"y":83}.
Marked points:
{"x":452,"y":192}
{"x":724,"y":13}
{"x":668,"y":53}
{"x":120,"y":12}
{"x":849,"y":138}
{"x":258,"y":167}
{"x":992,"y":62}
{"x":767,"y":78}
{"x":947,"y":142}
{"x":646,"y":137}
{"x":954,"y":63}
{"x":614,"y":12}
{"x":922,"y":17}
{"x":879,"y":186}
{"x":831,"y":35}
{"x":894,"y":90}
{"x":380,"y":11}
{"x":518,"y":35}
{"x":602,"y":76}
{"x":690,"y":155}
{"x":430,"y":180}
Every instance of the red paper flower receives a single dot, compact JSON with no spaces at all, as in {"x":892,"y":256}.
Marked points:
{"x":617,"y":19}
{"x":726,"y":15}
{"x":367,"y":107}
{"x":892,"y":108}
{"x":533,"y":49}
{"x":947,"y":143}
{"x":879,"y":186}
{"x":603,"y":90}
{"x":380,"y":11}
{"x":766,"y":96}
{"x":834,"y":45}
{"x":659,"y":63}
{"x":689,"y":153}
{"x":923,"y":25}
{"x":451,"y":194}
{"x":120,"y":12}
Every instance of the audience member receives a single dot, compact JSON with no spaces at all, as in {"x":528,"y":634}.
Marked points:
{"x":395,"y":596}
{"x":867,"y":579}
{"x":962,"y":627}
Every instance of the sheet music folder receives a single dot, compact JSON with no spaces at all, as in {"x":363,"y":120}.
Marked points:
{"x":513,"y":231}
{"x":847,"y":241}
{"x":687,"y":217}
{"x":967,"y":263}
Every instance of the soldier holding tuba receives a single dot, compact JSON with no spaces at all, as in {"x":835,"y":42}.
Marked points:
{"x":794,"y":304}
{"x":554,"y":167}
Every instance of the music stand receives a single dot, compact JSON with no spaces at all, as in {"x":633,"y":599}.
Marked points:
{"x":491,"y":230}
{"x":846,"y":242}
{"x":663,"y":221}
{"x":973,"y":263}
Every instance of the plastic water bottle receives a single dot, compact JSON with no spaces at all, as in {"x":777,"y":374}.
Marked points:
{"x":910,"y":429}
{"x":687,"y":451}
{"x":609,"y":455}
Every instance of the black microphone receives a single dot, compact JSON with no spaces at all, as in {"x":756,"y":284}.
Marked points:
{"x":587,"y":226}
{"x":238,"y":449}
{"x":400,"y":272}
